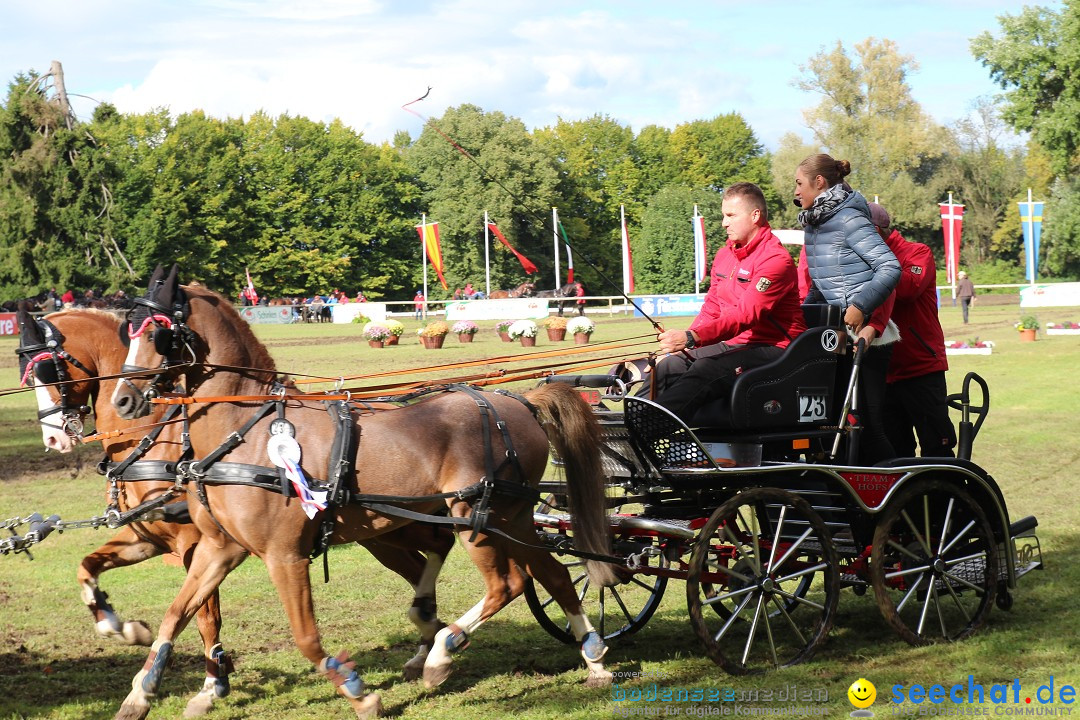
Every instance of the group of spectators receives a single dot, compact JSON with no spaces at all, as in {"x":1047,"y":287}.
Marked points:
{"x":884,"y":286}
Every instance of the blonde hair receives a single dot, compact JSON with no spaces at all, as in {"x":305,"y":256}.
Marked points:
{"x":833,"y":170}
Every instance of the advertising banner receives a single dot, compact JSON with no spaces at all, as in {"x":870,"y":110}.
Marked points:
{"x":668,"y":305}
{"x":1056,"y":295}
{"x":267,"y":314}
{"x":7,"y":324}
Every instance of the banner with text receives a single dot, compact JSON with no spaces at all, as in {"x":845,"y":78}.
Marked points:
{"x":7,"y":324}
{"x":267,"y":314}
{"x":668,"y":305}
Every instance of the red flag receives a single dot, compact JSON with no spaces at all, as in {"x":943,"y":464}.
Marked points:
{"x":429,"y":235}
{"x":526,"y":263}
{"x":952,"y":220}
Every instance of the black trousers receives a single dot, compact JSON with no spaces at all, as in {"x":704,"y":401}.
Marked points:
{"x":683,"y":387}
{"x":916,"y":407}
{"x":874,"y":445}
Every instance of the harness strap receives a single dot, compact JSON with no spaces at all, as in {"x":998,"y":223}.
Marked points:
{"x":235,"y":438}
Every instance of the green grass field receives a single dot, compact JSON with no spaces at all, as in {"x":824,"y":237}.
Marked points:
{"x":52,"y":665}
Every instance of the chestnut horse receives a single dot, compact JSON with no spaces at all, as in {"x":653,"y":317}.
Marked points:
{"x":88,"y":347}
{"x":442,"y":452}
{"x":523,"y":290}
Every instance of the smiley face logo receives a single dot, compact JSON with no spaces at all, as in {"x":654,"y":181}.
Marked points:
{"x":862,"y":693}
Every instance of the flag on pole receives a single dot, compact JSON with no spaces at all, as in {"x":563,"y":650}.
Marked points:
{"x":526,"y":263}
{"x":952,"y":220}
{"x":1031,"y":223}
{"x":701,"y":252}
{"x":569,"y":255}
{"x":627,"y":260}
{"x":249,"y":291}
{"x":429,"y":235}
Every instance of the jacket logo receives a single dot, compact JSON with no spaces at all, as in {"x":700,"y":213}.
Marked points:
{"x":763,"y":284}
{"x":916,"y":270}
{"x":744,"y":271}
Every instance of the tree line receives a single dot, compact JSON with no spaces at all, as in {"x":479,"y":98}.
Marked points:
{"x":310,"y":206}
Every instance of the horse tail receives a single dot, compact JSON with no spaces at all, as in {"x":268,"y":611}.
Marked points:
{"x":572,"y":429}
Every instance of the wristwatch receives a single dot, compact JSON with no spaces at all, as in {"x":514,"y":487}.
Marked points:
{"x":691,"y":342}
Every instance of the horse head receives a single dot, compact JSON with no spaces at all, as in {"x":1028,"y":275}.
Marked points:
{"x":63,"y":383}
{"x":525,"y":289}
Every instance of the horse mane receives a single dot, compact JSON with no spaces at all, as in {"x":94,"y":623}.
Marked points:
{"x":242,"y":335}
{"x":85,"y":311}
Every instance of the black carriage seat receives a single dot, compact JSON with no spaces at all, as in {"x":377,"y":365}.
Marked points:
{"x":796,"y":391}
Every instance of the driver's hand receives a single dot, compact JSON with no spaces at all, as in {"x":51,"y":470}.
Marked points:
{"x":672,"y":341}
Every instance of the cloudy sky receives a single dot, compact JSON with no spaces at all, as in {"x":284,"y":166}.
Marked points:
{"x":637,"y":61}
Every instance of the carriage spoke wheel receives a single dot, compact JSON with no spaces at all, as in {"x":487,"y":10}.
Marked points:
{"x":617,"y":610}
{"x":934,"y":563}
{"x":763,"y":583}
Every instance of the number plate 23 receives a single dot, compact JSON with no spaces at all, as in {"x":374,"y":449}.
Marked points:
{"x":813,"y":404}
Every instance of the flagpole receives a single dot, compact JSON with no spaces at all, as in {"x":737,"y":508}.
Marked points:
{"x":1031,"y":240}
{"x":423,"y":249}
{"x":487,"y":257}
{"x":555,"y":230}
{"x":697,"y":251}
{"x":622,"y":245}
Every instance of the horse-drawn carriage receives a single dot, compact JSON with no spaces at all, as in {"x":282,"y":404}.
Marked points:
{"x":762,"y":510}
{"x":756,"y":506}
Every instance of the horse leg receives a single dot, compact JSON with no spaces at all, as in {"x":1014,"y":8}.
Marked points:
{"x":420,"y":567}
{"x":209,"y":566}
{"x":555,"y":578}
{"x":293,"y":584}
{"x":503,"y":581}
{"x":125,"y":548}
{"x":218,"y":663}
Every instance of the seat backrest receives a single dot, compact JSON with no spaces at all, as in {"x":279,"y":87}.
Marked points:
{"x":798,"y":389}
{"x":822,"y":315}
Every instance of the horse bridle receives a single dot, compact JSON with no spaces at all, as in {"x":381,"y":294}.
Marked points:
{"x":172,"y":339}
{"x":52,"y":351}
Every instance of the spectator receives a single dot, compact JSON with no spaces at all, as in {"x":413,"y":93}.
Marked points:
{"x":418,"y":304}
{"x":579,"y":292}
{"x":67,"y":299}
{"x":850,"y":266}
{"x":750,"y":314}
{"x":915,"y":390}
{"x":965,"y":292}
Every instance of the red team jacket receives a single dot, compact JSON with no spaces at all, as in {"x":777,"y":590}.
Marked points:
{"x":753,"y":297}
{"x":921,"y":349}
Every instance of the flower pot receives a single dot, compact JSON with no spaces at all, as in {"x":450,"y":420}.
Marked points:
{"x":465,"y":337}
{"x":527,"y":341}
{"x":506,"y":337}
{"x":581,"y":338}
{"x":1027,"y":335}
{"x":433,"y":343}
{"x":556,"y":334}
{"x":392,"y":340}
{"x":375,"y":343}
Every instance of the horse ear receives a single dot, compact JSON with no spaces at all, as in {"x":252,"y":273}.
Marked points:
{"x":155,"y":278}
{"x":29,"y":331}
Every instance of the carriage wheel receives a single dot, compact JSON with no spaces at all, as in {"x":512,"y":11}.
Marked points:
{"x":934,"y":563}
{"x":763,"y":584}
{"x":614,"y":611}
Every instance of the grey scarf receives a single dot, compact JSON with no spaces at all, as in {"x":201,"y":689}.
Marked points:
{"x":825,"y":205}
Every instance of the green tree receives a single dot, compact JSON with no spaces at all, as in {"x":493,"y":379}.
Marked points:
{"x":509,"y":176}
{"x":664,"y":248}
{"x":868,"y":117}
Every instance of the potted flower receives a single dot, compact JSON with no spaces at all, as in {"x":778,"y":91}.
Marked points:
{"x":433,"y":334}
{"x":1027,"y":326}
{"x":581,"y":328}
{"x":971,"y":346}
{"x":501,"y":328}
{"x":376,"y":334}
{"x":1063,"y":328}
{"x":525,"y":331}
{"x":556,"y":328}
{"x":465,"y":330}
{"x":396,"y":330}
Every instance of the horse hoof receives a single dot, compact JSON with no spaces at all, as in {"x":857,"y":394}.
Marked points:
{"x":132,"y":712}
{"x":413,"y":669}
{"x":599,"y":679}
{"x":435,"y":675}
{"x":199,"y":705}
{"x":137,"y":633}
{"x":369,"y":706}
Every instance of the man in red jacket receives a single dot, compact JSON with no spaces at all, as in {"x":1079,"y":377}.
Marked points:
{"x":915,"y":390}
{"x":751,"y":312}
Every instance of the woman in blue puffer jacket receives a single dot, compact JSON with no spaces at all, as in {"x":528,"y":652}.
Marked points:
{"x":850,"y":266}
